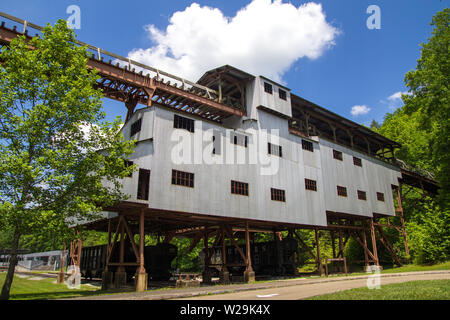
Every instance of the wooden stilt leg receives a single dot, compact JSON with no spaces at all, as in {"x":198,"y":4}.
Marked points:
{"x":249,"y":274}
{"x":319,"y":258}
{"x":141,"y":276}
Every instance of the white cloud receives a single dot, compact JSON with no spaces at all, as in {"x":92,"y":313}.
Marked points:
{"x":263,"y":38}
{"x":396,"y":96}
{"x":360,"y":110}
{"x":395,"y":101}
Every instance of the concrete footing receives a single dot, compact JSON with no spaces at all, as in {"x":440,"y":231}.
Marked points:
{"x":140,"y":281}
{"x":249,"y":276}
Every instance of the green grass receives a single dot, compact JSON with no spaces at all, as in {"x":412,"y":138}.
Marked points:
{"x":415,"y":268}
{"x":414,"y":290}
{"x":25,"y":289}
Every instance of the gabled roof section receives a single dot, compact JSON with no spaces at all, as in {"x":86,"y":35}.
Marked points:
{"x":210,"y":76}
{"x":229,"y":82}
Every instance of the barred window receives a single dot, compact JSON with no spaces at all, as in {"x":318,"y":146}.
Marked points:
{"x":136,"y":127}
{"x":341,"y":191}
{"x":310,"y":185}
{"x":268,"y":87}
{"x":239,"y":139}
{"x":183,"y":123}
{"x":307,"y":145}
{"x":362,"y":195}
{"x":275,"y":150}
{"x":357,"y":161}
{"x":282,"y":94}
{"x":181,"y":178}
{"x":278,"y":195}
{"x":240,"y":188}
{"x":380,"y":196}
{"x":337,"y":155}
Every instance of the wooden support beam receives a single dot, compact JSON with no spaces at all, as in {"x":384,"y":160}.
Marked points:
{"x":141,"y":242}
{"x":130,"y":237}
{"x":374,"y":242}
{"x":387,"y":244}
{"x":319,"y":259}
{"x":229,"y":231}
{"x":402,"y":218}
{"x":364,"y":245}
{"x":247,"y":247}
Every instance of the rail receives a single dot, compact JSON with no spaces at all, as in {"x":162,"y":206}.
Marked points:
{"x":123,"y":61}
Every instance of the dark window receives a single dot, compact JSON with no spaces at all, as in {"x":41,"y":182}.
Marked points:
{"x":341,"y":191}
{"x":282,"y":94}
{"x":362,"y":195}
{"x":380,"y":196}
{"x":268,"y":87}
{"x":277,"y":195}
{"x":307,"y":145}
{"x":275,"y":150}
{"x":136,"y":127}
{"x":357,"y":161}
{"x":310,"y":185}
{"x":143,"y":184}
{"x":240,"y":140}
{"x":181,"y":178}
{"x":240,"y":188}
{"x":127,"y":165}
{"x":183,"y":123}
{"x":337,"y":155}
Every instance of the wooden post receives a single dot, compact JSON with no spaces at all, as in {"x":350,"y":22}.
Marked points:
{"x":63,"y":262}
{"x":141,"y":242}
{"x":141,"y":276}
{"x":319,"y":258}
{"x":341,"y":249}
{"x":225,"y":275}
{"x":249,"y":274}
{"x":366,"y":258}
{"x":107,"y":277}
{"x":206,"y":272}
{"x":402,"y":219}
{"x":374,"y":242}
{"x":120,"y":278}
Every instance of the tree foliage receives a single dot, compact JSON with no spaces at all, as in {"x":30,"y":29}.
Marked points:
{"x":52,"y":130}
{"x":422,"y":127}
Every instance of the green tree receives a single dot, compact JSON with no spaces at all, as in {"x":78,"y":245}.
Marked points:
{"x":422,"y":127}
{"x":429,"y":99}
{"x":59,"y":159}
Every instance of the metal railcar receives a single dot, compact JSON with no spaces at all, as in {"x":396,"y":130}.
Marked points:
{"x":157,"y":260}
{"x":272,"y":258}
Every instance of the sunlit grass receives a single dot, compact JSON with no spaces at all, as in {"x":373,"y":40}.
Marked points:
{"x":25,"y":289}
{"x":414,"y":290}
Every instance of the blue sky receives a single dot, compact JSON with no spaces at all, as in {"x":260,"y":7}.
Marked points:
{"x":361,"y":67}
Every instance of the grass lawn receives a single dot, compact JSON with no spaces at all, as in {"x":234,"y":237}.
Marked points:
{"x":413,"y":268}
{"x":25,"y":289}
{"x":414,"y":290}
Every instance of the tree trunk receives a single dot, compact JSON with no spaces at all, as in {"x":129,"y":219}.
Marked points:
{"x":12,"y":265}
